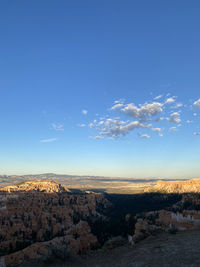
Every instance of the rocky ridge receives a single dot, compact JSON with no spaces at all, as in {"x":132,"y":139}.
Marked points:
{"x":40,"y":185}
{"x":180,"y":187}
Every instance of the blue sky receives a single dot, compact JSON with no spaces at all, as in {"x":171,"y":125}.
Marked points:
{"x":65,"y":65}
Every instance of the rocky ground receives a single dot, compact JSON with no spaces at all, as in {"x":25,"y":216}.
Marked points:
{"x":166,"y":250}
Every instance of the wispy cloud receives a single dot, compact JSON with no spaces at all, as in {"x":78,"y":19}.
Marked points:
{"x":117,"y":106}
{"x":197,"y":103}
{"x":49,"y":140}
{"x":158,"y":97}
{"x":158,"y":130}
{"x":144,"y":136}
{"x":84,"y":112}
{"x":173,"y":129}
{"x":81,"y":125}
{"x":96,"y":137}
{"x":57,"y":127}
{"x":170,"y":100}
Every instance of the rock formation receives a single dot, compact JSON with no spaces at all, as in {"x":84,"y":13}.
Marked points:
{"x":189,"y":186}
{"x":40,"y":215}
{"x":182,"y":215}
{"x":40,"y":185}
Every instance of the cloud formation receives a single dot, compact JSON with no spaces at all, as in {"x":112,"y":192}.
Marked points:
{"x":115,"y":127}
{"x":49,"y":140}
{"x":143,"y":111}
{"x":158,"y":97}
{"x":173,"y":129}
{"x":197,"y":103}
{"x":174,"y":117}
{"x":57,"y":127}
{"x":116,"y":106}
{"x":84,"y":112}
{"x":170,"y":100}
{"x":145,"y":136}
{"x":131,"y":117}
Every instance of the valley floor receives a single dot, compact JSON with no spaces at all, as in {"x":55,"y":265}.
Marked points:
{"x":166,"y":250}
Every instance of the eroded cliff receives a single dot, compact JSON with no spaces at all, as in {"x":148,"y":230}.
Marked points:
{"x":36,"y":216}
{"x":180,"y":187}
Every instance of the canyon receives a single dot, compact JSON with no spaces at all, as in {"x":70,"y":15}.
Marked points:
{"x":42,"y":221}
{"x":41,"y":218}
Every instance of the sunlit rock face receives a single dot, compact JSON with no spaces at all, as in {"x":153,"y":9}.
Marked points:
{"x":189,"y":186}
{"x":41,"y":185}
{"x":36,"y":216}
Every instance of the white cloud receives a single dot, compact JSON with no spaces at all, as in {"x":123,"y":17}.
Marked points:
{"x":50,"y":140}
{"x":197,"y":103}
{"x":84,"y":112}
{"x":194,"y":114}
{"x":189,"y":121}
{"x":145,"y":136}
{"x":135,"y":117}
{"x":57,"y":127}
{"x":174,"y":118}
{"x":170,"y":100}
{"x":178,"y":105}
{"x":175,"y":114}
{"x":197,"y":133}
{"x":158,"y":97}
{"x":173,"y":129}
{"x":91,"y":125}
{"x":82,"y":125}
{"x":96,"y":137}
{"x":115,"y":127}
{"x":117,"y":106}
{"x":158,"y":130}
{"x":145,"y":110}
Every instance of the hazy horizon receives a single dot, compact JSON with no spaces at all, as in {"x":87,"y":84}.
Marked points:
{"x":98,"y":176}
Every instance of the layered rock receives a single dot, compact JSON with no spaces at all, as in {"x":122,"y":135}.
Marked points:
{"x":189,"y":186}
{"x":34,"y":213}
{"x":41,"y":185}
{"x":78,"y":239}
{"x":163,"y":220}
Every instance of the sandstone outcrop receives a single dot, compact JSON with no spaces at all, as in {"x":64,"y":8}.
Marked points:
{"x":41,"y":185}
{"x":163,"y":220}
{"x":168,"y":187}
{"x":78,"y":239}
{"x":36,"y":216}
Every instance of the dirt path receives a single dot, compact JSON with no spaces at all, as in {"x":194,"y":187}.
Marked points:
{"x":180,"y":250}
